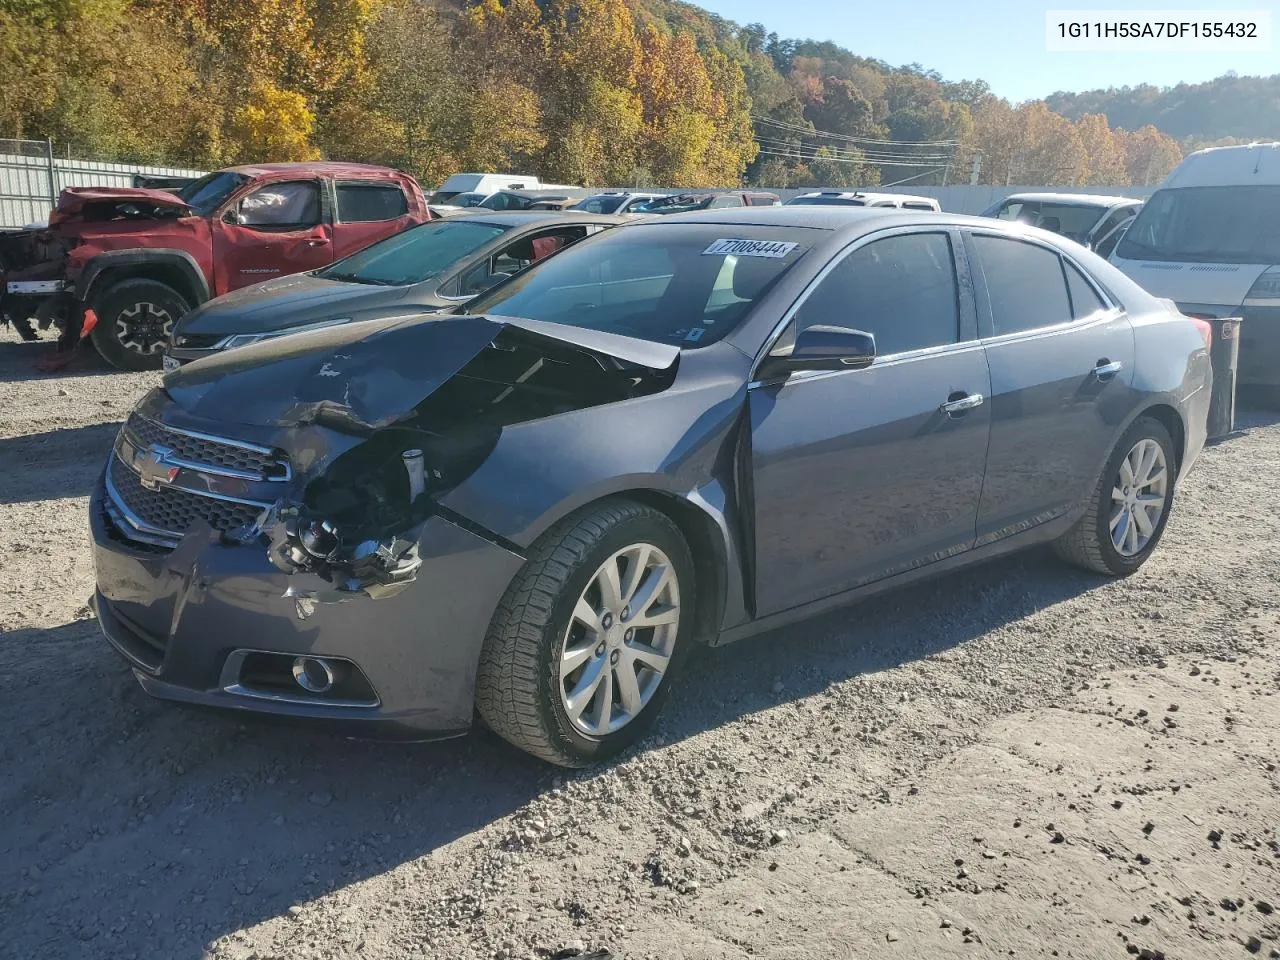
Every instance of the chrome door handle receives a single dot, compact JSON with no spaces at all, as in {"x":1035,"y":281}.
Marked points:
{"x":316,"y":242}
{"x":1107,"y":370}
{"x":952,"y":407}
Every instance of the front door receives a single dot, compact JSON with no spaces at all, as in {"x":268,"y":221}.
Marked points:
{"x":273,"y":230}
{"x":858,"y":475}
{"x":1061,"y":360}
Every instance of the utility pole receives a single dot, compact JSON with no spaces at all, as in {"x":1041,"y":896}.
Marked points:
{"x":977,"y":168}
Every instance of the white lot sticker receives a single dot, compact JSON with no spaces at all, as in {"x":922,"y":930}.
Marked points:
{"x":773,"y":249}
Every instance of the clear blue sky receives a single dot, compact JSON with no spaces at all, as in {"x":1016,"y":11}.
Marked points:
{"x":999,"y":41}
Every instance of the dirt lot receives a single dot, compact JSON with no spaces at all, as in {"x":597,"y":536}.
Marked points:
{"x":1020,"y":760}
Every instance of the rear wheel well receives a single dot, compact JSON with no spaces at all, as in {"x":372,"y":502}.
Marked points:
{"x":170,"y":274}
{"x":1171,"y":421}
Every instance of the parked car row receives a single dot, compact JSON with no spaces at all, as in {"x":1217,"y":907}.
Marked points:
{"x":519,"y":464}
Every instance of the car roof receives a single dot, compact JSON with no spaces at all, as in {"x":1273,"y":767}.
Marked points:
{"x":533,"y":218}
{"x":851,"y":221}
{"x":816,"y":217}
{"x":1079,"y":199}
{"x":324,"y":168}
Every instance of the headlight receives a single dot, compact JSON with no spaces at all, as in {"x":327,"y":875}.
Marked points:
{"x":244,"y":339}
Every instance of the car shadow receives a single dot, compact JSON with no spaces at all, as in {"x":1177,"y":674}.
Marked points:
{"x":200,"y":825}
{"x":19,"y":360}
{"x":55,"y":464}
{"x":880,"y":633}
{"x":192,"y":824}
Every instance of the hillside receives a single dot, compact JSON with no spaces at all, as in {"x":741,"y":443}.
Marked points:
{"x":1242,"y":108}
{"x":597,"y":92}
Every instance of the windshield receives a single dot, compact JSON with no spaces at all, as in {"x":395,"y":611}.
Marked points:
{"x":206,"y":194}
{"x":416,"y":254}
{"x":469,"y":199}
{"x":826,"y":202}
{"x":1073,"y":220}
{"x":686,"y":285}
{"x":1207,"y":225}
{"x":600,"y":204}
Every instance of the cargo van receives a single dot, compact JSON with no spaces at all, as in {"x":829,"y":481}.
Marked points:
{"x":1209,"y":239}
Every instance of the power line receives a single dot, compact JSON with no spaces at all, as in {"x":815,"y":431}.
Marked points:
{"x":867,"y":155}
{"x":796,"y":128}
{"x":883,"y":163}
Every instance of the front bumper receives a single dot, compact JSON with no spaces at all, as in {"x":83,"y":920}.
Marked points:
{"x":178,"y":615}
{"x":175,"y":357}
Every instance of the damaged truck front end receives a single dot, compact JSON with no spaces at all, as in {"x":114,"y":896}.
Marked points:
{"x":41,"y":269}
{"x":284,"y":528}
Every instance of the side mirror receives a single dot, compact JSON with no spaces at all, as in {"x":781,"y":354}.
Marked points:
{"x":235,"y":216}
{"x":822,"y":347}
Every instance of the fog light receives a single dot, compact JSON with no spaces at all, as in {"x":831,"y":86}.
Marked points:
{"x":313,"y":675}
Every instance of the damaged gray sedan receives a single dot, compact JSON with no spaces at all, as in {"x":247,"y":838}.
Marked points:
{"x":678,"y":432}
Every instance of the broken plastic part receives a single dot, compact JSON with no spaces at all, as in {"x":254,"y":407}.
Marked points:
{"x":414,"y":467}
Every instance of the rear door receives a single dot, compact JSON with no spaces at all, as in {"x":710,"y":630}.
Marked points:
{"x":862,"y":474}
{"x":272,"y":230}
{"x":365,"y":211}
{"x":1061,"y":358}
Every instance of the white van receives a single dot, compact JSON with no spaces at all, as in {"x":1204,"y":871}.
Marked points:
{"x":859,"y":198}
{"x":485,"y":183}
{"x":1209,"y":239}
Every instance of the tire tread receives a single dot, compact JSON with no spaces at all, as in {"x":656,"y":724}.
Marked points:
{"x":507,"y":688}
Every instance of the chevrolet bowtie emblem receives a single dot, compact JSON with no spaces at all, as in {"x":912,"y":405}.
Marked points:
{"x":153,"y":466}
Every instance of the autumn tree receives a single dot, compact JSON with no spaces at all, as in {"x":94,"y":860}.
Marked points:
{"x":1104,"y":149}
{"x":1150,"y":155}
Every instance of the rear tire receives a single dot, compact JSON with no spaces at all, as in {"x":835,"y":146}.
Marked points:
{"x":1119,"y":530}
{"x":135,"y":319}
{"x":536,"y":667}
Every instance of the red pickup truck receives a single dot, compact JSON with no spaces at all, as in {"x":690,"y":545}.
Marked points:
{"x":126,"y":263}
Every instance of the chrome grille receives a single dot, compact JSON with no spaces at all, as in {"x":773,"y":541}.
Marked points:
{"x":207,"y":451}
{"x":170,"y":510}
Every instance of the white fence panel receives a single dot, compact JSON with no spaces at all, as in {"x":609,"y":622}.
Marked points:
{"x":30,"y":182}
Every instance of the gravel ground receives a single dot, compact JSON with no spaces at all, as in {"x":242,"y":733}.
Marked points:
{"x":1019,"y":760}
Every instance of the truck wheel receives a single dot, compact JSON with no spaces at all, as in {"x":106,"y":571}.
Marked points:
{"x":135,"y":318}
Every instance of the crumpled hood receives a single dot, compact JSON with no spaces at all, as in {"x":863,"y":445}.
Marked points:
{"x":73,"y":200}
{"x":362,"y":376}
{"x":283,"y":302}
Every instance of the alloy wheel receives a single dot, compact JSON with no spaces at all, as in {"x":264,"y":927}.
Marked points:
{"x":144,"y":327}
{"x":620,"y":639}
{"x":1139,"y":497}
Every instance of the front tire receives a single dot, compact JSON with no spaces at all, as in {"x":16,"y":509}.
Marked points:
{"x":1130,"y":505}
{"x":135,"y":319}
{"x":581,"y":652}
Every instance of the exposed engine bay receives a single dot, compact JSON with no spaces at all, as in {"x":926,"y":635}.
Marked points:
{"x":357,"y":520}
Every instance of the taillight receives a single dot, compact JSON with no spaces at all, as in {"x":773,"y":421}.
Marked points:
{"x":1265,"y":291}
{"x":1206,"y":331}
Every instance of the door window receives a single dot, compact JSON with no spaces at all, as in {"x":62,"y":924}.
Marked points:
{"x":727,"y":200}
{"x":369,"y":202}
{"x":282,"y":205}
{"x":1025,"y":284}
{"x":901,"y":289}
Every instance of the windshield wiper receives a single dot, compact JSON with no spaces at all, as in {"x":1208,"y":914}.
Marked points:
{"x":356,"y":278}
